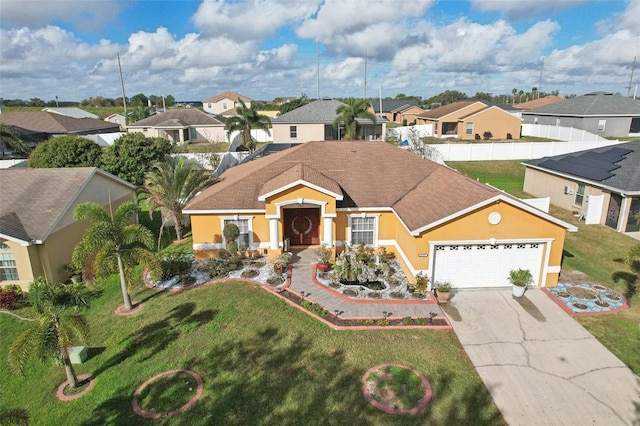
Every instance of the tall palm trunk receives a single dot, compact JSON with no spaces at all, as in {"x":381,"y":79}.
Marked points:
{"x":68,"y":368}
{"x":123,"y":286}
{"x":177,"y":219}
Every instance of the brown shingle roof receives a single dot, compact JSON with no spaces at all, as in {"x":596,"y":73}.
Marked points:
{"x":444,"y":110}
{"x":228,"y":95}
{"x":547,"y":100}
{"x":369,"y":174}
{"x":57,"y":124}
{"x":184,"y":117}
{"x":301,"y":172}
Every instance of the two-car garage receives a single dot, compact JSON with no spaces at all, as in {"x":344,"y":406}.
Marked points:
{"x":485,"y":264}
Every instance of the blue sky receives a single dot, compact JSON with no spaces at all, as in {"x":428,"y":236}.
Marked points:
{"x":268,"y":48}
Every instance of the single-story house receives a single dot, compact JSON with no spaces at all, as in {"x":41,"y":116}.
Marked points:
{"x":70,"y":112}
{"x":437,"y":221}
{"x":396,"y":110}
{"x":472,"y":120}
{"x":601,"y":113}
{"x":601,"y":184}
{"x":314,"y":122}
{"x":182,"y":126}
{"x":37,"y":230}
{"x":224,"y":102}
{"x":117,"y":118}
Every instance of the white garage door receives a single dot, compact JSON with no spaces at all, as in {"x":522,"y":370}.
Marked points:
{"x":485,"y":265}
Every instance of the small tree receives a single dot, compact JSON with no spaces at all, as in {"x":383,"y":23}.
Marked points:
{"x":66,"y":151}
{"x":248,"y":118}
{"x":54,"y":330}
{"x":231,"y":232}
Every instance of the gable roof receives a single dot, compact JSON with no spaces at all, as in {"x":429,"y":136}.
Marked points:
{"x":34,"y":200}
{"x":367,"y":175}
{"x":540,"y":102}
{"x":55,"y":124}
{"x":318,"y":111}
{"x":389,"y":105}
{"x":591,"y":104}
{"x":485,"y":109}
{"x":227,"y":95}
{"x":71,"y":112}
{"x":614,"y":166}
{"x":440,"y":112}
{"x":183,"y":117}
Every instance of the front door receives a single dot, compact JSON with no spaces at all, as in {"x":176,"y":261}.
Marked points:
{"x":301,"y":226}
{"x":613,"y":212}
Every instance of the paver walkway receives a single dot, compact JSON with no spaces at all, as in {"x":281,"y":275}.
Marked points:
{"x":539,"y":364}
{"x":301,"y":281}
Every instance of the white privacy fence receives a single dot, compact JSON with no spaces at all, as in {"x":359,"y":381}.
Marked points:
{"x":560,"y":133}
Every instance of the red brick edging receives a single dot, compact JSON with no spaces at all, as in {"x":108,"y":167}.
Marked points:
{"x":573,"y":313}
{"x":62,"y":397}
{"x":148,"y":414}
{"x":423,"y":403}
{"x":137,"y":307}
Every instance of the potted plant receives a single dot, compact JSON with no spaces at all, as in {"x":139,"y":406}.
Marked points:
{"x":281,"y":262}
{"x":442,"y":291}
{"x":323,"y":256}
{"x":520,"y":279}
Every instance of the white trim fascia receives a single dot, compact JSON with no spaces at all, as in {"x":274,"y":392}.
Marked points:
{"x":23,"y":243}
{"x":321,"y":204}
{"x":582,"y":180}
{"x":550,"y":114}
{"x":364,"y":209}
{"x":228,"y":212}
{"x":500,"y":197}
{"x":489,"y":241}
{"x":338,"y":197}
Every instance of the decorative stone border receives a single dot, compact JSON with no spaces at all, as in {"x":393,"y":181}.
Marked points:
{"x":137,"y":307}
{"x":423,"y":403}
{"x":573,"y":313}
{"x":62,"y":397}
{"x":148,"y":414}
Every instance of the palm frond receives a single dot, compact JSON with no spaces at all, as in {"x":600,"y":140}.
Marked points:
{"x":23,"y":348}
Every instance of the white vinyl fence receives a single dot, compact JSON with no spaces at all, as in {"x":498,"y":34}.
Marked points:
{"x":560,"y":133}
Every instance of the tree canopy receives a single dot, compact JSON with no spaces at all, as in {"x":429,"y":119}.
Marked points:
{"x":293,"y":104}
{"x":248,"y":118}
{"x":132,"y":155}
{"x":14,"y":138}
{"x":66,"y":151}
{"x":347,"y":115}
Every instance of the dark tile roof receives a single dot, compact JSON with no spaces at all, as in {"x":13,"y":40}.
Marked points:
{"x":616,"y":166}
{"x":56,"y":124}
{"x":369,"y":174}
{"x":591,"y":104}
{"x":318,"y":111}
{"x":184,"y":117}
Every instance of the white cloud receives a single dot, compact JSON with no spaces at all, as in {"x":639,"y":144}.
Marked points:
{"x":524,"y":9}
{"x":245,"y":20}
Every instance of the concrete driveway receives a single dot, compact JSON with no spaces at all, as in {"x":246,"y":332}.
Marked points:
{"x":540,"y":366}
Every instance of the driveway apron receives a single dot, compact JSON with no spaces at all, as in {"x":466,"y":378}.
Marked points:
{"x":540,"y":365}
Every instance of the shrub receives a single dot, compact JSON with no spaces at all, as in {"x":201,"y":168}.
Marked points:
{"x":8,"y":299}
{"x":422,"y":283}
{"x":215,"y":267}
{"x":175,"y":265}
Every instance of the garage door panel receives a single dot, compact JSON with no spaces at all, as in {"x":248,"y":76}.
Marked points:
{"x":485,"y":265}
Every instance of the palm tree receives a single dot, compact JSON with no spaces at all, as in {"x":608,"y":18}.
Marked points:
{"x":12,"y":137}
{"x":347,"y":115}
{"x":172,"y":184}
{"x":515,"y":92}
{"x":248,"y":118}
{"x":113,"y":244}
{"x":54,"y":330}
{"x":139,"y":112}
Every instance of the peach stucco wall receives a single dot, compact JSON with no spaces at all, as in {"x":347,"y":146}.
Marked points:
{"x":305,"y":132}
{"x":494,"y":120}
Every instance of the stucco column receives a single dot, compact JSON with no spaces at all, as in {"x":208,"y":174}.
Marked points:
{"x":328,"y":231}
{"x":273,"y":233}
{"x":624,"y":214}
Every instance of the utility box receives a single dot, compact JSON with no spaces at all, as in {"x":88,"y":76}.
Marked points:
{"x":77,"y":354}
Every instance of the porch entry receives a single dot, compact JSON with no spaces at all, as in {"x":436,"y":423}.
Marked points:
{"x":302,"y":225}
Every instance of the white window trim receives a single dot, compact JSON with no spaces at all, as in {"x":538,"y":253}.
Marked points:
{"x":376,"y":225}
{"x":292,"y":130}
{"x":5,"y":249}
{"x":469,"y":130}
{"x":601,"y":125}
{"x":249,"y":220}
{"x":584,"y":194}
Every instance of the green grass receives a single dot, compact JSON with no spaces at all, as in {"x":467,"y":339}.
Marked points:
{"x":261,"y":360}
{"x":595,"y":250}
{"x":168,"y":393}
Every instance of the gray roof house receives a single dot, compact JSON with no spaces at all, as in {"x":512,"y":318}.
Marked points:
{"x":187,"y":125}
{"x":601,"y":185}
{"x":314,"y":122}
{"x":601,"y":113}
{"x":70,"y":112}
{"x":396,"y":110}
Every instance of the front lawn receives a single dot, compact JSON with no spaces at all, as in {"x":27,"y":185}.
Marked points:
{"x":595,"y":250}
{"x":261,"y":360}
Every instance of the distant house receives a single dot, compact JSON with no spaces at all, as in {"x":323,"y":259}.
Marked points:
{"x":470,"y":120}
{"x":71,"y":112}
{"x":314,"y":122}
{"x":37,"y":230}
{"x":118,"y":119}
{"x":396,"y":110}
{"x":602,"y":184}
{"x":540,"y":102}
{"x":224,"y":102}
{"x":601,"y":113}
{"x":182,"y":126}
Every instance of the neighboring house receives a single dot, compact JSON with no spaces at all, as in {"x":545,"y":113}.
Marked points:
{"x":182,"y":126}
{"x":602,"y":184}
{"x":603,"y":114}
{"x":37,"y":230}
{"x":314,"y":122}
{"x":118,"y":119}
{"x":71,"y":112}
{"x":472,"y":120}
{"x":41,"y":125}
{"x":397,"y":110}
{"x":224,"y":102}
{"x":540,"y":102}
{"x":437,"y":221}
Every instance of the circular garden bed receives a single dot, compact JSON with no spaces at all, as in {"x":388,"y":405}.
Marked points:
{"x":167,"y":394}
{"x":396,"y":389}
